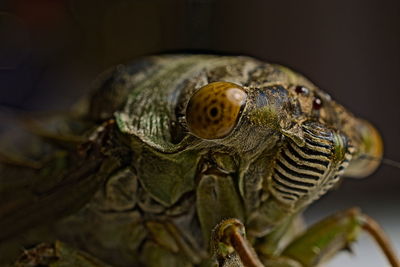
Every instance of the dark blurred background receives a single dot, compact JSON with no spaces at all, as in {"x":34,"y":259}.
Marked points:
{"x":51,"y":50}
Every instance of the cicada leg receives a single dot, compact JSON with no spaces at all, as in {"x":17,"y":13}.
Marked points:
{"x":316,"y":245}
{"x":324,"y":239}
{"x":230,"y":246}
{"x":57,"y":254}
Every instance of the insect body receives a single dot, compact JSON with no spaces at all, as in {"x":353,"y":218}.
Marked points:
{"x":189,"y":160}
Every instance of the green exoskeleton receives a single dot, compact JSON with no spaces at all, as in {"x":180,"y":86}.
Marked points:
{"x":185,"y":160}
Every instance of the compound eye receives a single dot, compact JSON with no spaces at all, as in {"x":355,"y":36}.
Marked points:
{"x":214,"y":110}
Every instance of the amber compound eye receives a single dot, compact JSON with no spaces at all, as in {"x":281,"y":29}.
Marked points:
{"x":213,"y":111}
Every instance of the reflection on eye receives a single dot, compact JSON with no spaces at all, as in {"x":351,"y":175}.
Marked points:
{"x":213,"y":111}
{"x":301,"y":90}
{"x":317,"y":103}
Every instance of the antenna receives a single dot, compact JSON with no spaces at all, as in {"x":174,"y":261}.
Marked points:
{"x":386,"y":161}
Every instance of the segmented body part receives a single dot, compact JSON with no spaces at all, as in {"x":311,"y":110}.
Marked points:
{"x":304,"y":173}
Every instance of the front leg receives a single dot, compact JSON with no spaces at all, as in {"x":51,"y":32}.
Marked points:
{"x":319,"y":243}
{"x":230,"y":246}
{"x":324,"y":239}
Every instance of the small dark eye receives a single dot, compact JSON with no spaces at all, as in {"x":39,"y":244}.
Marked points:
{"x":317,"y":103}
{"x":301,"y":90}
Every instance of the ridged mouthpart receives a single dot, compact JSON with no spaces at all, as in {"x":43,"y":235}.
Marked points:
{"x":303,"y":173}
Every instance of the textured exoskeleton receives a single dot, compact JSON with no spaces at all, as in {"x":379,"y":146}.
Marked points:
{"x":185,"y":160}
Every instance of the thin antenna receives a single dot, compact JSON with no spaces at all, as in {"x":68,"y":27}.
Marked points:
{"x":390,"y":162}
{"x":386,"y":161}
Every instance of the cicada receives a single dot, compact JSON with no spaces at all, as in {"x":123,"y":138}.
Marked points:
{"x":185,"y":160}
